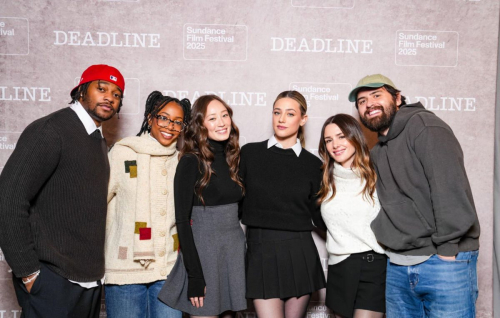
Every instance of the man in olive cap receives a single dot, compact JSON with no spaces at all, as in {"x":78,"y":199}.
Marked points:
{"x":53,"y":202}
{"x":428,"y":221}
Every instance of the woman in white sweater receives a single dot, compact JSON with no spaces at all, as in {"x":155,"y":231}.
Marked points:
{"x":356,"y":263}
{"x":141,"y":237}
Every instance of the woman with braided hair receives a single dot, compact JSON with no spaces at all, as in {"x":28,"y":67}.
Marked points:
{"x":141,"y":236}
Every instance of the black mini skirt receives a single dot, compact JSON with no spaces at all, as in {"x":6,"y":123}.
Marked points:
{"x":281,"y":264}
{"x":358,"y":282}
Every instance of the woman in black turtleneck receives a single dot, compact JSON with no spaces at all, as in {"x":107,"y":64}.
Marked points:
{"x":208,"y":277}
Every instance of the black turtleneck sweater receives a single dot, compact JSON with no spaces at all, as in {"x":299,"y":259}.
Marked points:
{"x":220,"y":190}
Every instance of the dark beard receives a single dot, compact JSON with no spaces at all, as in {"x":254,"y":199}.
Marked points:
{"x":93,"y":113}
{"x":381,"y":122}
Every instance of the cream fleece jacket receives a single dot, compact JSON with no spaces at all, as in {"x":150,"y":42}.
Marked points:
{"x":154,"y":206}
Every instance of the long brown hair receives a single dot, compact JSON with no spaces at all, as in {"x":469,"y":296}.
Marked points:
{"x":196,"y":143}
{"x":299,"y":98}
{"x":361,"y":163}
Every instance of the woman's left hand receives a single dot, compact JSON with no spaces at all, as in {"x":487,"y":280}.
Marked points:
{"x":198,"y":301}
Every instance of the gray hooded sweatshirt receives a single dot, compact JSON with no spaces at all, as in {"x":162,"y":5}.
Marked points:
{"x":427,"y":204}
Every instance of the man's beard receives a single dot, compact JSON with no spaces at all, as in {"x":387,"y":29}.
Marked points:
{"x":382,"y":122}
{"x":93,"y":113}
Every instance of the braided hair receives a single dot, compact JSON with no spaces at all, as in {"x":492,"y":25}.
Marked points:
{"x":81,"y":91}
{"x":155,"y":102}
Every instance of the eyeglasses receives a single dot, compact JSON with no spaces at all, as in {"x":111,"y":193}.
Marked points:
{"x":165,"y":122}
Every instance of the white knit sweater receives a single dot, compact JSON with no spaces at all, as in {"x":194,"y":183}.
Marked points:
{"x":348,"y":216}
{"x":153,"y":196}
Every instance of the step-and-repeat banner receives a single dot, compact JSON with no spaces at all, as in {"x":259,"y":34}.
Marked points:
{"x":442,"y":53}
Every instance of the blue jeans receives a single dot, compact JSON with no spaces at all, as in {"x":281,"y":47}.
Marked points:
{"x":137,"y":300}
{"x":435,"y":288}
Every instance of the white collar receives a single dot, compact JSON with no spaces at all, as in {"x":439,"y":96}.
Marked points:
{"x":85,"y":118}
{"x":297,"y":148}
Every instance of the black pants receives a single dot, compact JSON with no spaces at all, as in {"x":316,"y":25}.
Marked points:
{"x":56,"y":297}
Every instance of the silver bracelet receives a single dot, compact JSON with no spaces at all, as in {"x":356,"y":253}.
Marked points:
{"x":29,"y":280}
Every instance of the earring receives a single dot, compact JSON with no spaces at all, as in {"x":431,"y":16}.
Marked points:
{"x":149,"y":127}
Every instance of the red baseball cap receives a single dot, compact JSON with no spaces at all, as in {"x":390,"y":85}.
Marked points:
{"x":104,"y":73}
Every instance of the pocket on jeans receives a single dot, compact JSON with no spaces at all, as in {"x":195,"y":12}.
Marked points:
{"x":401,"y":226}
{"x":461,"y":257}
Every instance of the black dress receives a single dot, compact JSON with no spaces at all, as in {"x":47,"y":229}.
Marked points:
{"x":279,"y":208}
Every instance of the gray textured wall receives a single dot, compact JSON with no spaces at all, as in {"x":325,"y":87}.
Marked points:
{"x":321,"y":47}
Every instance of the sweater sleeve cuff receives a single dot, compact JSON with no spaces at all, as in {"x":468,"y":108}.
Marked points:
{"x":448,"y":249}
{"x":196,"y":287}
{"x":26,"y":271}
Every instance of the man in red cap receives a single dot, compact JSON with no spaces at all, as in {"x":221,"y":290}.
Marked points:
{"x":53,"y":202}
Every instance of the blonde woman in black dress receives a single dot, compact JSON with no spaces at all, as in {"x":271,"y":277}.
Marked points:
{"x":281,"y":182}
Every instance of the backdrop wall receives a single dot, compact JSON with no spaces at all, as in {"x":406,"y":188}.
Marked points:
{"x":442,"y":53}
